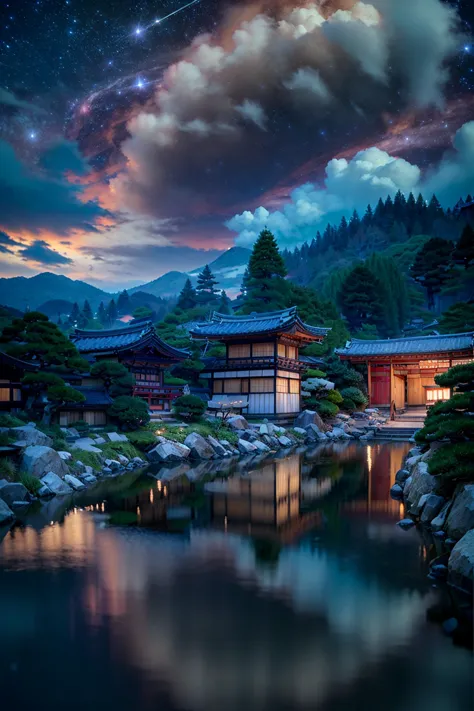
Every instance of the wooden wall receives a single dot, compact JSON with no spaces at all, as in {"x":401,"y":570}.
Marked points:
{"x":287,"y":402}
{"x":398,"y":392}
{"x":261,"y":404}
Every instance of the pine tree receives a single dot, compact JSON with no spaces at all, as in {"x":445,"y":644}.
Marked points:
{"x":431,"y":267}
{"x":74,"y":315}
{"x":102,"y":314}
{"x":111,"y":313}
{"x":464,"y":251}
{"x":266,"y":289}
{"x":359,"y":298}
{"x":123,"y":303}
{"x":206,"y":286}
{"x":368,"y":217}
{"x":245,"y":282}
{"x":82,"y":320}
{"x":187,"y":298}
{"x":224,"y":306}
{"x":459,"y":318}
{"x":354,"y":223}
{"x":87,"y":311}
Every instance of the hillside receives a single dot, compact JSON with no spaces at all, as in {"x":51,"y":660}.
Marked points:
{"x":30,"y":292}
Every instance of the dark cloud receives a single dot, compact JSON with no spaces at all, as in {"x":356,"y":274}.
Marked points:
{"x":64,"y":157}
{"x":36,"y":202}
{"x":6,"y":242}
{"x":137,"y":259}
{"x":41,"y":253}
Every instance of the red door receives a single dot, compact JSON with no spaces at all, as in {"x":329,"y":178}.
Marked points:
{"x":380,"y":385}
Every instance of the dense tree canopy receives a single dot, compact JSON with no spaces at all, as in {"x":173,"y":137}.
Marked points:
{"x":431,"y":267}
{"x":266,"y":288}
{"x":360,"y":298}
{"x":188,"y":297}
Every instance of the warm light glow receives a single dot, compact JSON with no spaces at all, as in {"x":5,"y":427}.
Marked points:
{"x":158,"y":485}
{"x":369,"y":458}
{"x":151,"y":496}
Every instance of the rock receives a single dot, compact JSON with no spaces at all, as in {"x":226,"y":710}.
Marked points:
{"x":461,"y":563}
{"x":107,"y":471}
{"x":266,"y":429}
{"x":168,"y":452}
{"x":122,"y":459}
{"x":76,"y":484}
{"x":314,"y":433}
{"x":249,"y":436}
{"x":11,"y":492}
{"x":396,"y":492}
{"x":37,"y":460}
{"x":218,"y":448}
{"x":261,"y":446}
{"x":412,"y":461}
{"x":421,"y":483}
{"x":138,"y":461}
{"x":99,"y":440}
{"x":89,"y":478}
{"x":86,"y":444}
{"x":285,"y":441}
{"x":406,"y":523}
{"x":72,"y":432}
{"x":6,"y":514}
{"x":30,"y":435}
{"x":116,"y":437}
{"x":309,"y":417}
{"x":401,"y":476}
{"x":300,"y":430}
{"x":200,"y":447}
{"x":45,"y":492}
{"x":246,"y":447}
{"x":79,"y":466}
{"x":238,"y":422}
{"x":461,"y":516}
{"x":65,"y":456}
{"x":113,"y":464}
{"x":439,"y":571}
{"x":432,"y":507}
{"x":56,"y":484}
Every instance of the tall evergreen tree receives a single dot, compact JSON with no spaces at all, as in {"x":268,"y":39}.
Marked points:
{"x":74,"y":315}
{"x":431,"y":267}
{"x":187,"y":298}
{"x":111,"y":313}
{"x":359,"y":298}
{"x":206,"y":286}
{"x":266,"y":289}
{"x":224,"y":306}
{"x":102,"y":314}
{"x":123,"y":303}
{"x":87,"y":311}
{"x":245,"y":282}
{"x":464,"y":251}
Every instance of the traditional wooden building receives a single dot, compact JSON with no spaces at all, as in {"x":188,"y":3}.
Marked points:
{"x":402,"y":370}
{"x":142,"y":352}
{"x":262,"y":360}
{"x":13,"y":394}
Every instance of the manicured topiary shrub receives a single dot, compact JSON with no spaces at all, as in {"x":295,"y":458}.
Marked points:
{"x":131,"y":412}
{"x":326,"y":408}
{"x":334,"y":396}
{"x":314,"y":373}
{"x":189,"y":406}
{"x":355,"y":395}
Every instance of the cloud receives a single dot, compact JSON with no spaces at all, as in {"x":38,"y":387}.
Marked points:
{"x":352,"y":184}
{"x":64,"y":157}
{"x":37,"y":201}
{"x":6,"y":242}
{"x":9,"y":99}
{"x":41,"y":253}
{"x":196,"y":137}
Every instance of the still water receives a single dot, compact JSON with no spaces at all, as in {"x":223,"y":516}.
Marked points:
{"x":283,"y":585}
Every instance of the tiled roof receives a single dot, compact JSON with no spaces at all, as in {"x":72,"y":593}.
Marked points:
{"x":16,"y":362}
{"x":221,"y":325}
{"x":407,"y":346}
{"x":120,"y":339}
{"x":95,"y":397}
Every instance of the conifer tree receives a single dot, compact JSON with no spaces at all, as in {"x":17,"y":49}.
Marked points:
{"x":206,"y":286}
{"x":87,"y":311}
{"x":74,"y":315}
{"x":82,"y":320}
{"x":245,"y":282}
{"x":102,"y":314}
{"x":359,"y":298}
{"x":224,"y":306}
{"x":187,"y":298}
{"x":111,"y":313}
{"x":123,"y":303}
{"x":464,"y":251}
{"x":431,"y":267}
{"x":266,"y":288}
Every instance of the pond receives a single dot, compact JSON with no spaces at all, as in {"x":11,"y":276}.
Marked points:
{"x":281,"y":585}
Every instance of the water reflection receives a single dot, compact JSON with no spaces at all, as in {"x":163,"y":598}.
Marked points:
{"x":287,"y":591}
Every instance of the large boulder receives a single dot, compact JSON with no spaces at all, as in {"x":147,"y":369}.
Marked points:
{"x":6,"y":514}
{"x":432,"y":507}
{"x":261,"y":446}
{"x":238,"y":422}
{"x":401,"y":476}
{"x":438,"y":523}
{"x":200,"y":447}
{"x":38,"y":460}
{"x":246,"y":447}
{"x":12,"y":492}
{"x":421,"y":483}
{"x":461,"y":563}
{"x":315,"y":434}
{"x":168,"y":452}
{"x":74,"y":483}
{"x":309,"y":417}
{"x":116,"y":437}
{"x":461,"y":516}
{"x":56,"y":484}
{"x":218,"y":448}
{"x":86,"y":444}
{"x":285,"y":441}
{"x":28,"y":434}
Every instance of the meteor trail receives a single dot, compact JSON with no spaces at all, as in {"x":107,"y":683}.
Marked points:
{"x":138,"y":32}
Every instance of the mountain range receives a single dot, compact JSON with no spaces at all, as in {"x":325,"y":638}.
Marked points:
{"x":32,"y":292}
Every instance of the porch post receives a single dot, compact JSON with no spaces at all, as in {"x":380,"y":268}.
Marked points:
{"x":369,"y":381}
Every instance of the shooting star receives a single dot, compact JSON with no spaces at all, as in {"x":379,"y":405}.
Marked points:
{"x":139,"y":31}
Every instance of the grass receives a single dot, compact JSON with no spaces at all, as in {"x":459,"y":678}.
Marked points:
{"x":30,"y":482}
{"x":142,"y":439}
{"x":111,"y":449}
{"x":298,"y":435}
{"x":177,"y":433}
{"x":90,"y":459}
{"x":10,"y":421}
{"x":9,"y":470}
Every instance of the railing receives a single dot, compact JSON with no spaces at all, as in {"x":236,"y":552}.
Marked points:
{"x":262,"y":361}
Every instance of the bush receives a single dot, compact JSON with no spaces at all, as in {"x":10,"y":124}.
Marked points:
{"x":314,"y":373}
{"x":453,"y":461}
{"x":142,"y":438}
{"x":355,"y":395}
{"x":10,"y":421}
{"x":173,"y":380}
{"x":131,"y":412}
{"x":349,"y":405}
{"x":189,"y":406}
{"x":81,"y":426}
{"x":326,"y":408}
{"x":334,"y":396}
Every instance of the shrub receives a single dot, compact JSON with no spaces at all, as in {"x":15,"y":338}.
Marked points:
{"x":10,"y":421}
{"x":453,"y":461}
{"x":326,"y":408}
{"x":173,"y":380}
{"x":334,"y":396}
{"x":355,"y":395}
{"x":349,"y":405}
{"x":81,"y":426}
{"x":142,"y":438}
{"x":314,"y":373}
{"x":30,"y":482}
{"x":131,"y":412}
{"x":189,"y":406}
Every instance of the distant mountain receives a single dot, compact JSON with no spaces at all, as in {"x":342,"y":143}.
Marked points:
{"x":166,"y":286}
{"x":31,"y":292}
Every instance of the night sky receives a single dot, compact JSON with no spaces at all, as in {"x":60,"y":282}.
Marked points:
{"x":136,"y":138}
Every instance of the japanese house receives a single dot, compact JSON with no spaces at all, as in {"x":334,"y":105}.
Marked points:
{"x":402,"y":370}
{"x":262,"y":359}
{"x":142,"y":352}
{"x":13,"y":394}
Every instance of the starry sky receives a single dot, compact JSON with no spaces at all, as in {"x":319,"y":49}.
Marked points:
{"x":142,"y":137}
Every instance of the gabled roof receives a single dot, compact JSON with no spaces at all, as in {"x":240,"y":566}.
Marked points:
{"x":16,"y":362}
{"x":413,"y":345}
{"x":95,"y":397}
{"x":119,"y":340}
{"x":285,"y":321}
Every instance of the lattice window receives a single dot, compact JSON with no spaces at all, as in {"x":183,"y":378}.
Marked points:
{"x":218,"y":387}
{"x":282,"y":385}
{"x":261,"y":385}
{"x":239,"y":351}
{"x":262,"y":350}
{"x":294,"y":387}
